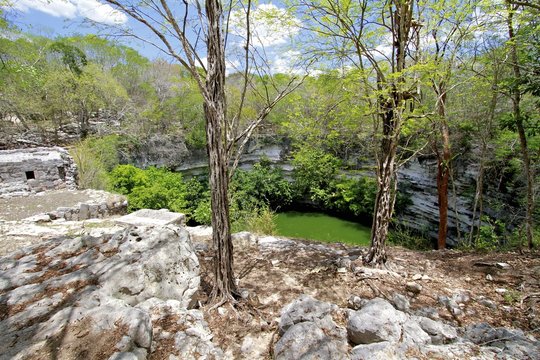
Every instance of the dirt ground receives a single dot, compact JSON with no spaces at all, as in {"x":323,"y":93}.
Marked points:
{"x":274,"y":279}
{"x":12,"y":209}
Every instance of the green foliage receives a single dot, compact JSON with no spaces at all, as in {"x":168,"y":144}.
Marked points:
{"x":197,"y":199}
{"x":124,"y":178}
{"x":314,"y":171}
{"x":492,"y":236}
{"x":401,"y":236}
{"x":262,"y":186}
{"x":152,"y":188}
{"x":203,"y":212}
{"x":91,"y":168}
{"x":72,"y":56}
{"x":512,"y":296}
{"x":260,"y":221}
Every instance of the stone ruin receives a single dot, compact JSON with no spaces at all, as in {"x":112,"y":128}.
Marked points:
{"x":27,"y":171}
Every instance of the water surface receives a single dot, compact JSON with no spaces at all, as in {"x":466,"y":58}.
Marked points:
{"x":321,"y":227}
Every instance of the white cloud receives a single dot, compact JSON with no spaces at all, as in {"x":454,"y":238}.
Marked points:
{"x":90,"y":9}
{"x":269,"y":24}
{"x":286,"y":63}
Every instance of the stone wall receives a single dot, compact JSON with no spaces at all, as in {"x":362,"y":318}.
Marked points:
{"x":27,"y":171}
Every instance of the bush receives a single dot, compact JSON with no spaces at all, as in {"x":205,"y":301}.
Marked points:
{"x":401,"y":236}
{"x":124,"y":178}
{"x":314,"y":172}
{"x":256,"y":220}
{"x":91,"y":171}
{"x":150,"y":189}
{"x":261,"y":187}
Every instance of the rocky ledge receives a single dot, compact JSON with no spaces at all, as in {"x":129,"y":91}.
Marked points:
{"x":119,"y":296}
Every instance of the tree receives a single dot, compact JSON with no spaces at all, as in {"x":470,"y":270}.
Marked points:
{"x":516,"y":92}
{"x":379,"y":38}
{"x":169,"y":22}
{"x":448,"y":23}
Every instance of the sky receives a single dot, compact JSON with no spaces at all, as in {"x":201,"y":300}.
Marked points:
{"x":54,"y":18}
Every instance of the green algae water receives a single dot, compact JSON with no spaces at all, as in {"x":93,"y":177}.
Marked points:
{"x":321,"y":227}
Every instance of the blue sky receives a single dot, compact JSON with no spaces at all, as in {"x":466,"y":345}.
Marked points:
{"x":53,"y":18}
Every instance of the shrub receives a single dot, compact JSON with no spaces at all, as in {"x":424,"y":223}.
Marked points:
{"x":91,"y":166}
{"x":260,"y":187}
{"x":401,"y":236}
{"x":314,"y":172}
{"x":150,"y":189}
{"x":124,"y":178}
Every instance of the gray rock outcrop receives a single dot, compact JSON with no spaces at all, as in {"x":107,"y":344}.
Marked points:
{"x":379,"y":331}
{"x":120,"y":296}
{"x":309,"y":331}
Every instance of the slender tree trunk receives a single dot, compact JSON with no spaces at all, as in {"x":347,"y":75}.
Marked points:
{"x":443,"y":169}
{"x":214,"y":110}
{"x":84,"y":123}
{"x":386,"y":184}
{"x":486,"y":134}
{"x":391,"y":114}
{"x":516,"y":111}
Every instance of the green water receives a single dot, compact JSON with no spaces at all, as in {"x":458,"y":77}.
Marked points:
{"x":321,"y":227}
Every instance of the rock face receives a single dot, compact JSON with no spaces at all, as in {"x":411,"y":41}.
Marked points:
{"x":28,"y":171}
{"x":379,"y":331}
{"x":418,"y":179}
{"x":157,"y":150}
{"x":119,"y":296}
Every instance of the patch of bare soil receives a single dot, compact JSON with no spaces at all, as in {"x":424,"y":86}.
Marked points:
{"x":21,"y":207}
{"x":506,"y":295}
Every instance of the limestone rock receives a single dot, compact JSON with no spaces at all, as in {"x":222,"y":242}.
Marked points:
{"x":376,"y":351}
{"x":440,"y":333}
{"x":162,"y":265}
{"x":149,"y":217}
{"x":401,"y":302}
{"x":377,"y":321}
{"x":305,"y":308}
{"x":413,"y":287}
{"x":120,"y":296}
{"x":306,"y":340}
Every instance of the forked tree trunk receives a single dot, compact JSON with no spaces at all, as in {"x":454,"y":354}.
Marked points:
{"x":214,"y":110}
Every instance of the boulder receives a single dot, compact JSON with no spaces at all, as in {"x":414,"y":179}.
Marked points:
{"x":119,"y":296}
{"x":309,"y":331}
{"x":375,"y":351}
{"x":306,"y":340}
{"x":440,"y":333}
{"x":401,"y":302}
{"x":377,"y":321}
{"x":305,"y":308}
{"x":162,"y":264}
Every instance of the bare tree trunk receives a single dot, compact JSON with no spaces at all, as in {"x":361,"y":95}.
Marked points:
{"x":386,"y":185}
{"x":214,"y":110}
{"x":443,"y":169}
{"x":84,"y":123}
{"x":516,"y":111}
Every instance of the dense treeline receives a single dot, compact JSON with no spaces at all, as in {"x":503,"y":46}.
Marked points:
{"x":466,"y":93}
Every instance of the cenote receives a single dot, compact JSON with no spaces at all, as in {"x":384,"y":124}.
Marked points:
{"x":321,"y":227}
